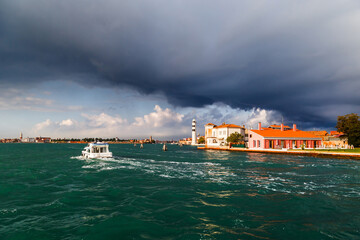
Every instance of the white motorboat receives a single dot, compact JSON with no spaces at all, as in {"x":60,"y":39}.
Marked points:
{"x":97,"y":150}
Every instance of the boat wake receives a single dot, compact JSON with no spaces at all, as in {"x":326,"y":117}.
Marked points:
{"x":213,"y":172}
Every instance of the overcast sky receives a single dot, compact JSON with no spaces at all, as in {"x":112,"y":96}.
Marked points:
{"x":139,"y":68}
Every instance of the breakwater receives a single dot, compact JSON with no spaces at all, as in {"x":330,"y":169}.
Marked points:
{"x":312,"y":153}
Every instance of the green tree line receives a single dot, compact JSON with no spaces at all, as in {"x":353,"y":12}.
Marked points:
{"x":350,"y":126}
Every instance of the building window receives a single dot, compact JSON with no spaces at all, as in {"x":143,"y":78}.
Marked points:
{"x":250,"y":135}
{"x":259,"y":143}
{"x":254,"y":143}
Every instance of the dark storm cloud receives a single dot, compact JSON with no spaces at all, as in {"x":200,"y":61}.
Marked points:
{"x":301,"y":58}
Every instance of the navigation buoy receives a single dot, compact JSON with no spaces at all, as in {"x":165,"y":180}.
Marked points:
{"x":164,"y":147}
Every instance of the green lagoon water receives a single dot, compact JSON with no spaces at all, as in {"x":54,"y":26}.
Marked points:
{"x":48,"y":192}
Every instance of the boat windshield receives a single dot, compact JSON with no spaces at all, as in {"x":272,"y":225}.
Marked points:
{"x":98,"y":149}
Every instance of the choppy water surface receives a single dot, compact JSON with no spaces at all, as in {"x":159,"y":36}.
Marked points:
{"x":48,"y":192}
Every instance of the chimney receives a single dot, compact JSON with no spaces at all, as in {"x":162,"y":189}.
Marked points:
{"x":294,"y":127}
{"x":259,"y":126}
{"x":282,"y":127}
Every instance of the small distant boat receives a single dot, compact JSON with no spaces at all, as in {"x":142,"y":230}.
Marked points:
{"x":180,"y":144}
{"x":97,"y":150}
{"x":164,"y":147}
{"x":141,"y":146}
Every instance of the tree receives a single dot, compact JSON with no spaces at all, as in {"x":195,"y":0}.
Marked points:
{"x":350,"y":126}
{"x":235,"y":137}
{"x":201,"y":140}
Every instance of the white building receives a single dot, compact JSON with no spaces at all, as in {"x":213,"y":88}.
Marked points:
{"x":216,"y":136}
{"x":28,"y":140}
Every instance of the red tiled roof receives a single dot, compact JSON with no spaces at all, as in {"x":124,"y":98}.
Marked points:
{"x":318,"y":133}
{"x":332,"y":133}
{"x":284,"y":134}
{"x":228,"y":126}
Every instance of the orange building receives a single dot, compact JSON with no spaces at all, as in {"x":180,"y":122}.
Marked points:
{"x":42,"y":139}
{"x":185,"y":141}
{"x":270,"y":138}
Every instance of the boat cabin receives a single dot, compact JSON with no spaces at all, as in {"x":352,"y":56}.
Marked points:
{"x":97,"y":150}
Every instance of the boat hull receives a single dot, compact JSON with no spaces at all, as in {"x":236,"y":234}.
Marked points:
{"x":96,"y":155}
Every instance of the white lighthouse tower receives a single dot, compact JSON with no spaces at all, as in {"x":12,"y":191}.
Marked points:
{"x":193,"y":137}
